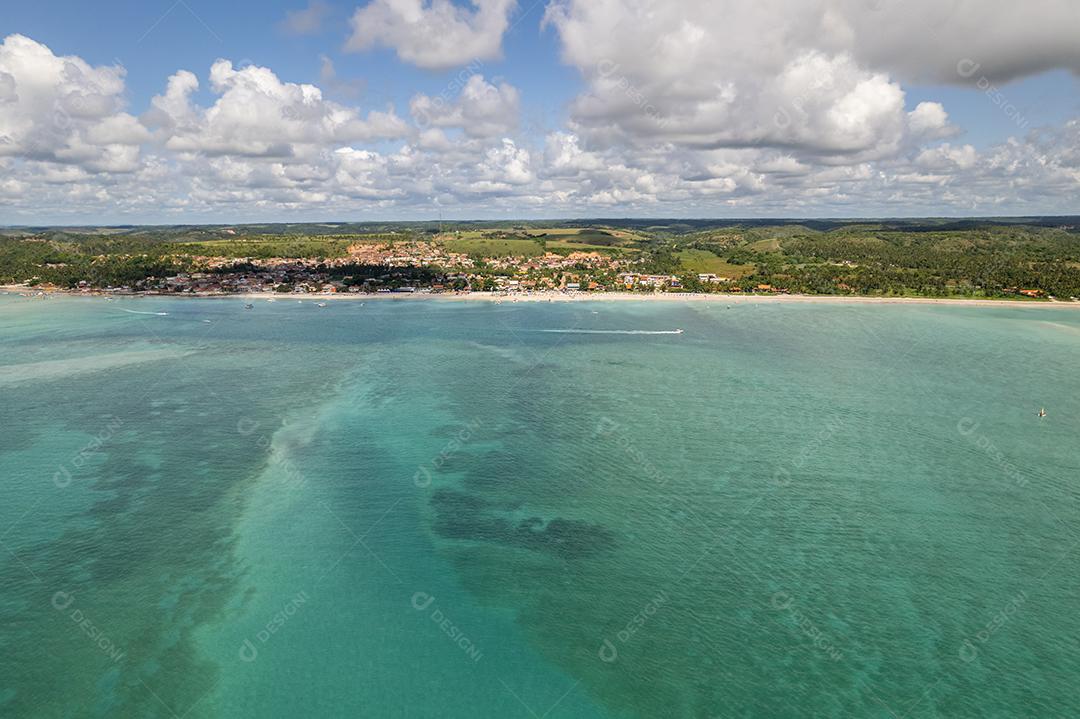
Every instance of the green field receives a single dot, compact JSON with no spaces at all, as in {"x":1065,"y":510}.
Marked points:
{"x":588,"y":236}
{"x":770,"y":245}
{"x":701,"y":261}
{"x":487,"y":247}
{"x":262,"y":248}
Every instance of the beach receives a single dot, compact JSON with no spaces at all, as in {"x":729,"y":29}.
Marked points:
{"x":577,"y":297}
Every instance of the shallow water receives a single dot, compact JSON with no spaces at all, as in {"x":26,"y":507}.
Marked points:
{"x":443,"y":509}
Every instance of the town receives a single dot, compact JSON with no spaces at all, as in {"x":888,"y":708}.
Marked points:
{"x":1026,"y":261}
{"x":405,"y":267}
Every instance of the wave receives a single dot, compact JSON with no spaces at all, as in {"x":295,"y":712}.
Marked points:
{"x":611,"y":332}
{"x":137,"y":312}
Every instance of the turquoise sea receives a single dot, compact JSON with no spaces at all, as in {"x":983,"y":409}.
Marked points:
{"x":464,"y":509}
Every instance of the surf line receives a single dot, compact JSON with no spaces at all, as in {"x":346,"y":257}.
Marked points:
{"x":136,"y":312}
{"x":610,"y":332}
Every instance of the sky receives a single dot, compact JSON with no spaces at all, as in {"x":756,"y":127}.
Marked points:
{"x":190,"y":111}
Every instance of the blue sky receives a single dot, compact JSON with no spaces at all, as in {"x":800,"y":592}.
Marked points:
{"x":640,"y":107}
{"x":152,"y":39}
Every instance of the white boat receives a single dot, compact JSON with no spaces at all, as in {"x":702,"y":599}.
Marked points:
{"x":320,"y":304}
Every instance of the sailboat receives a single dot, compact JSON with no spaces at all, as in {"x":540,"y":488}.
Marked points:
{"x":1042,"y":412}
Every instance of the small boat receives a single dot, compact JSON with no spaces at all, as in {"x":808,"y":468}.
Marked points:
{"x":679,"y":331}
{"x":320,"y":304}
{"x":1042,"y":412}
{"x":249,"y":306}
{"x":271,"y":299}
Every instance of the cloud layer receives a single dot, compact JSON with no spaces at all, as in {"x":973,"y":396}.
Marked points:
{"x":432,"y":34}
{"x":705,"y":109}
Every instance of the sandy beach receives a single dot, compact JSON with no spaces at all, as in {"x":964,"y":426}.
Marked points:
{"x":576,"y":297}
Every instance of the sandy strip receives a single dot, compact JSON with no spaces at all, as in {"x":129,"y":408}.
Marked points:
{"x":64,"y":368}
{"x":730,"y":299}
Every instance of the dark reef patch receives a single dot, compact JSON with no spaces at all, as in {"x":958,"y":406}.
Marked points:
{"x":460,"y":515}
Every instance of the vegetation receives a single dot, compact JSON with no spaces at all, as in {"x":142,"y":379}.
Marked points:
{"x":1033,"y":257}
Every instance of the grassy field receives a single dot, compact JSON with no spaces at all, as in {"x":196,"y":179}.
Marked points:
{"x":589,"y":236}
{"x":557,"y":245}
{"x":770,"y":245}
{"x":702,"y":261}
{"x":486,"y":247}
{"x":508,"y":241}
{"x":262,"y":248}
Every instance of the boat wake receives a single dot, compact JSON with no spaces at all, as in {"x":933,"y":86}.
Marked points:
{"x":137,"y":312}
{"x":611,"y":332}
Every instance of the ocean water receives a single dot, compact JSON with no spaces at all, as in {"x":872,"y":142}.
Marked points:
{"x":456,"y":509}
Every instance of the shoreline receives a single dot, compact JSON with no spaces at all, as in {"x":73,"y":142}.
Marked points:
{"x":578,"y":297}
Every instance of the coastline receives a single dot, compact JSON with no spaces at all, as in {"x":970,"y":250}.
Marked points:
{"x":578,"y":297}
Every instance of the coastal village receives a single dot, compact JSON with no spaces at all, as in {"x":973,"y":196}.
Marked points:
{"x":407,"y":267}
{"x":526,"y":260}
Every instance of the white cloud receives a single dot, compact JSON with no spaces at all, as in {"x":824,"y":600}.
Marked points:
{"x":947,"y":158}
{"x":685,"y":111}
{"x":507,"y":164}
{"x":258,"y":115}
{"x":481,"y":110}
{"x":432,"y":34}
{"x":821,"y":77}
{"x":62,"y":109}
{"x":924,"y":40}
{"x":328,"y":78}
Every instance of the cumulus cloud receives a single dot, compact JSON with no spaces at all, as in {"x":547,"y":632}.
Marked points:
{"x":328,"y":78}
{"x":712,"y":108}
{"x":481,"y":109}
{"x":62,"y":109}
{"x":258,"y":115}
{"x":432,"y":34}
{"x":821,"y":77}
{"x":925,"y":40}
